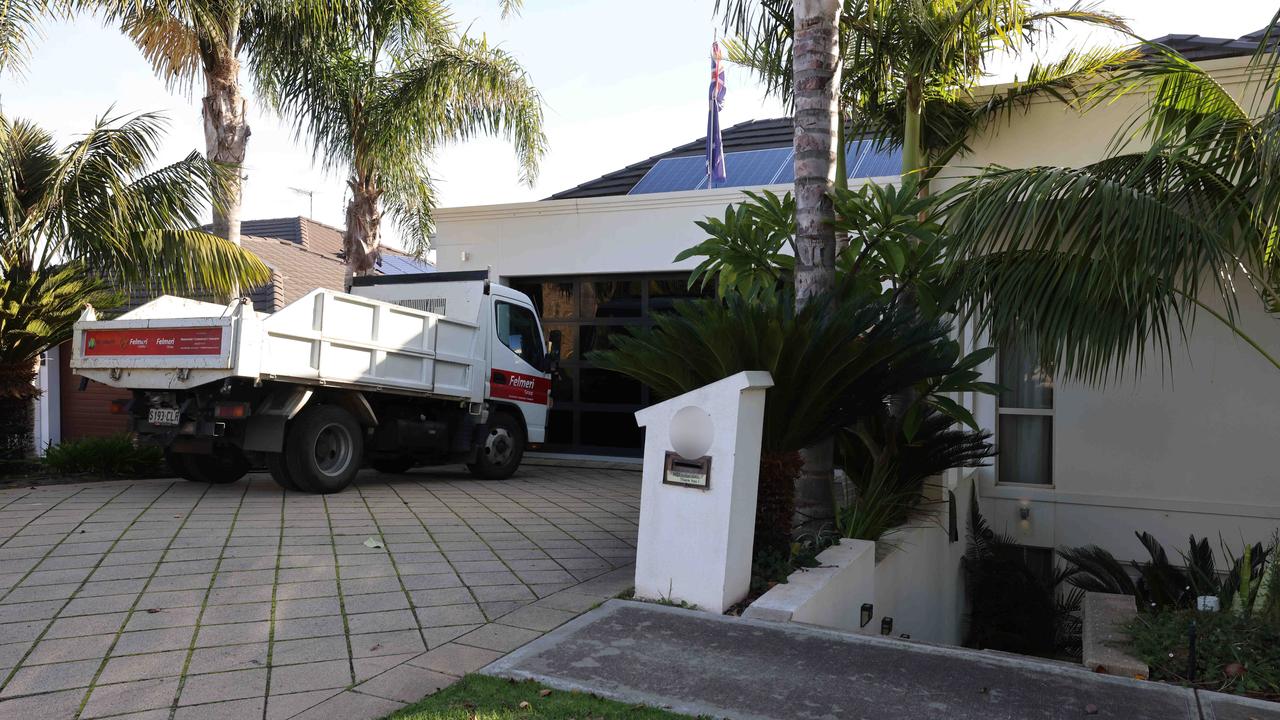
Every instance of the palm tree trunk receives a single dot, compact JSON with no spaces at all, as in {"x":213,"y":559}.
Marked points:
{"x":17,"y":413}
{"x":226,"y":134}
{"x":360,"y":241}
{"x":913,"y":129}
{"x":817,"y":81}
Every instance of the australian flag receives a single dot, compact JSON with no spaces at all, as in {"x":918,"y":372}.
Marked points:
{"x":715,"y":97}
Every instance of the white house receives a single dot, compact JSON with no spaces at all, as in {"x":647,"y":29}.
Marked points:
{"x":1175,"y":451}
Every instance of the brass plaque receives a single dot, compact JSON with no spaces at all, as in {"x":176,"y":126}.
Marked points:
{"x":687,"y":473}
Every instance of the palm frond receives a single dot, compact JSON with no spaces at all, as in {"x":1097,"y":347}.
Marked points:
{"x":19,"y":24}
{"x":1098,"y":571}
{"x":1099,"y":263}
{"x":96,"y":204}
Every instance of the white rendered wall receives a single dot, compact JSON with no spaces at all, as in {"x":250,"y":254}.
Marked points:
{"x":912,"y":576}
{"x":1181,"y":449}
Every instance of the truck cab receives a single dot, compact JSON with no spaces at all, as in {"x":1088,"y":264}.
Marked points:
{"x":520,"y":360}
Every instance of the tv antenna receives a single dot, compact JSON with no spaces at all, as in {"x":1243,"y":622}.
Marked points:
{"x":311,"y":200}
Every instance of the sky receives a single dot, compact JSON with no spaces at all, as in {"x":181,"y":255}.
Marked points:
{"x":620,"y":81}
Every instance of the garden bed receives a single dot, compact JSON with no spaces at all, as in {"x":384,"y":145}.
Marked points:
{"x":1239,"y":655}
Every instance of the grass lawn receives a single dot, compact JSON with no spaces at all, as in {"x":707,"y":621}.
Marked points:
{"x":479,"y":697}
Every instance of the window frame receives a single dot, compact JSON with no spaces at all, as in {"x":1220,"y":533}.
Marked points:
{"x":1002,"y":410}
{"x":576,"y":405}
{"x":540,"y":342}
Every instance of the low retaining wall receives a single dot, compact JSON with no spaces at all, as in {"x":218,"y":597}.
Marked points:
{"x":916,"y":581}
{"x":1104,"y":645}
{"x":829,"y":595}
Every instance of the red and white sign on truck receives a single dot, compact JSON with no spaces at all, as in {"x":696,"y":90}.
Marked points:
{"x":405,"y":370}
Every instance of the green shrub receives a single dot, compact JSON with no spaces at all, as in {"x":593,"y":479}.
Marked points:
{"x":1233,"y":653}
{"x":113,"y":455}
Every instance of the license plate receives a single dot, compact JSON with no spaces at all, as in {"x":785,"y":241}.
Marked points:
{"x":163,"y":416}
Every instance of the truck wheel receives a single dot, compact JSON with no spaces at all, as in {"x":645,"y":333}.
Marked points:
{"x":177,"y":463}
{"x":279,"y":470}
{"x":502,"y":450}
{"x":323,"y":448}
{"x":224,"y":465}
{"x":393,"y":465}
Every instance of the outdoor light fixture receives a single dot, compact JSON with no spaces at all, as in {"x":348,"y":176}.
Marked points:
{"x":886,"y":626}
{"x":865,"y":615}
{"x":1024,"y":512}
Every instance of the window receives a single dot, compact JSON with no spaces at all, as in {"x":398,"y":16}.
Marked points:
{"x":518,"y":330}
{"x":595,"y":409}
{"x":1024,"y":433}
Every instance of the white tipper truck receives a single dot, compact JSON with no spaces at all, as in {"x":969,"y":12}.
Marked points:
{"x":405,"y":370}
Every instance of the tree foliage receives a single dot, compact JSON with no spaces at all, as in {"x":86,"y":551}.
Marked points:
{"x":74,"y":220}
{"x":909,"y":68}
{"x":1098,"y":266}
{"x":98,"y":205}
{"x":399,"y":85}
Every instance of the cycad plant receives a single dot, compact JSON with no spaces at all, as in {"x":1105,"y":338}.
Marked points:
{"x":889,"y":464}
{"x":379,"y":100}
{"x":73,"y":217}
{"x":1159,"y":584}
{"x":835,"y":361}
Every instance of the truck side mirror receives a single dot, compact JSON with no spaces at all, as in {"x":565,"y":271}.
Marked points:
{"x":553,"y":351}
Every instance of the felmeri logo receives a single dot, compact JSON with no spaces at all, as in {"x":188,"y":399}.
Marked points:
{"x":523,"y":382}
{"x":137,"y":342}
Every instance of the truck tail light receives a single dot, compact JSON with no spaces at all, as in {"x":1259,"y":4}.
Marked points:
{"x":120,"y":407}
{"x":231,"y":410}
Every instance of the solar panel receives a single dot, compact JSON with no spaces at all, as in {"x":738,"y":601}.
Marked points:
{"x":758,"y":168}
{"x":863,"y":160}
{"x":672,"y":174}
{"x":754,"y":168}
{"x":400,"y":265}
{"x":748,"y":168}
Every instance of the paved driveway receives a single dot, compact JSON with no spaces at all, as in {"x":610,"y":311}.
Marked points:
{"x":168,"y":599}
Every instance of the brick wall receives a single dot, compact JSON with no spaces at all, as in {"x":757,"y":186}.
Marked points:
{"x":87,"y":413}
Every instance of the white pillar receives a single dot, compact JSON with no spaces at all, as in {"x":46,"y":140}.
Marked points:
{"x":696,"y":527}
{"x":48,"y":415}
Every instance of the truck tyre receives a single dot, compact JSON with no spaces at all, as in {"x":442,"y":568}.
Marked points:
{"x":393,"y":465}
{"x":177,"y":463}
{"x":224,"y":465}
{"x":279,"y":470}
{"x":323,"y":448}
{"x":502,"y":450}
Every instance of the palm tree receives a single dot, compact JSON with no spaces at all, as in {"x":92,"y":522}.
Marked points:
{"x":1098,"y":265}
{"x":909,"y":68}
{"x":73,"y":219}
{"x":18,"y":22}
{"x":815,"y":70}
{"x":204,"y":41}
{"x":903,"y":70}
{"x":378,"y":102}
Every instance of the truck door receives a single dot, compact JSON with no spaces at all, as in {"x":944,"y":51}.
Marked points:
{"x":518,"y":360}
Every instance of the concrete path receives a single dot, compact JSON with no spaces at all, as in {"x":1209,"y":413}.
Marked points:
{"x":703,"y":664}
{"x":170,"y":600}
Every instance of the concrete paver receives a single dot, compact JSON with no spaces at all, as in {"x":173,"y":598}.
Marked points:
{"x":180,"y":601}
